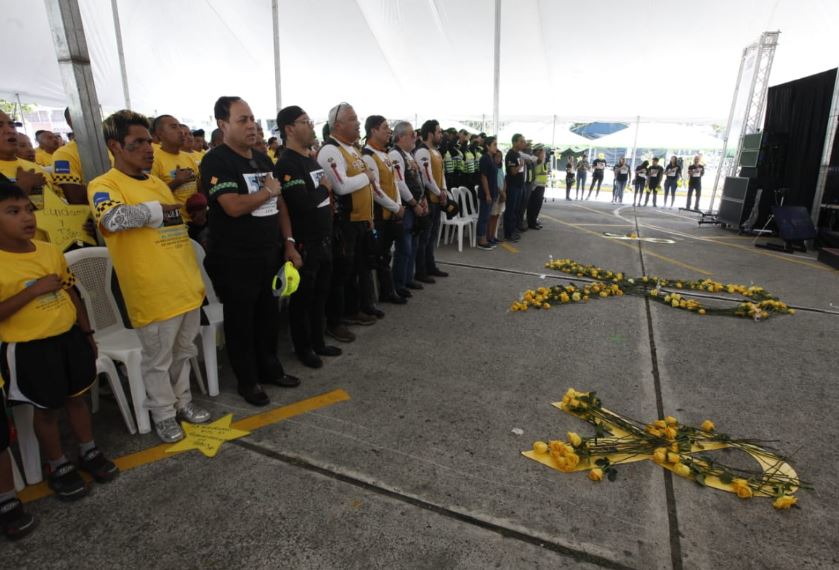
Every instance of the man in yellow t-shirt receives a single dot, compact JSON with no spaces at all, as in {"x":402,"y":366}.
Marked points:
{"x":175,"y":167}
{"x":25,"y":150}
{"x":156,"y":267}
{"x":47,"y":351}
{"x":28,"y":175}
{"x":48,"y":143}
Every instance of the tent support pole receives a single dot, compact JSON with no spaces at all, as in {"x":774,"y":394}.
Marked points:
{"x":496,"y":80}
{"x":65,"y":21}
{"x":827,"y":150}
{"x":121,"y":53}
{"x":278,"y":85}
{"x":635,"y":143}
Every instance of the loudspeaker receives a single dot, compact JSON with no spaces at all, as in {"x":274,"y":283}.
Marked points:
{"x":794,"y":223}
{"x":734,"y":193}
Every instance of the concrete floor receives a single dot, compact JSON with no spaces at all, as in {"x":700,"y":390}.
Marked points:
{"x":420,"y":469}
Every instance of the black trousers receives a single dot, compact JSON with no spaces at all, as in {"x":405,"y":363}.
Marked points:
{"x":534,"y":206}
{"x":351,"y":286}
{"x":251,"y":312}
{"x":523,"y":205}
{"x":390,"y":232}
{"x":694,"y":184}
{"x":307,"y":306}
{"x":595,"y":179}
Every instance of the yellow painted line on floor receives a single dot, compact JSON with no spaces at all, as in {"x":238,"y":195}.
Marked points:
{"x":158,"y":452}
{"x":509,"y":248}
{"x":631,"y":246}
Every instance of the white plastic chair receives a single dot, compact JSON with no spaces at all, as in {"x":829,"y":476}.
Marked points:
{"x":211,"y":332}
{"x":23,"y":415}
{"x":463,"y":219}
{"x":94,"y":271}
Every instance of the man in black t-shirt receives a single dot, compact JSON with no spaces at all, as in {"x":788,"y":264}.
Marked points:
{"x":515,"y":187}
{"x":243,"y":248}
{"x":695,"y":172}
{"x":654,"y":174}
{"x":598,"y":168}
{"x":308,"y":195}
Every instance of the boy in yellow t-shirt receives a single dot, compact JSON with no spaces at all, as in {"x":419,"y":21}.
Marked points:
{"x":47,"y":351}
{"x":155,"y":263}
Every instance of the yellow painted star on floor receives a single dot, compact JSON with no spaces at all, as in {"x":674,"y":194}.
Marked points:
{"x":207,"y":438}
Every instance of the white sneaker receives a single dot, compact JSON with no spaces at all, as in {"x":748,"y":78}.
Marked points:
{"x":193,"y":414}
{"x":168,"y":430}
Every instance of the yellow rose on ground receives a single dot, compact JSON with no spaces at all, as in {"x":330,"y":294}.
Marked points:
{"x":670,"y":433}
{"x":673,"y":458}
{"x":744,"y":492}
{"x":558,"y":447}
{"x":660,"y":455}
{"x":576,"y":297}
{"x":701,"y":311}
{"x":572,"y":460}
{"x":784,"y":502}
{"x":564,"y":298}
{"x":708,"y":425}
{"x":575,"y":439}
{"x":681,"y":470}
{"x":661,"y":424}
{"x":671,"y":421}
{"x":540,"y":447}
{"x":597,"y":474}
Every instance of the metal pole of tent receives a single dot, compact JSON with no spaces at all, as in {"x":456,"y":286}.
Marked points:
{"x":278,"y":84}
{"x":728,"y":127}
{"x":20,"y":108}
{"x":65,"y":21}
{"x":635,"y":142}
{"x":553,"y":135}
{"x":827,"y":150}
{"x":121,"y":53}
{"x":496,"y":80}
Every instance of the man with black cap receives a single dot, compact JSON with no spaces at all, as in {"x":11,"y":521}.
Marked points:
{"x":308,"y":195}
{"x":244,"y":248}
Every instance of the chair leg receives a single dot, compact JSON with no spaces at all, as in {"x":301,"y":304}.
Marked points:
{"x":30,"y":451}
{"x":209,"y":347}
{"x":198,"y":376}
{"x":106,"y":366}
{"x":138,"y":393}
{"x":20,"y":484}
{"x":460,"y":238}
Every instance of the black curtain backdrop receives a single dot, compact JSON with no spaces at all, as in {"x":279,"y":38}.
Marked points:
{"x":793,"y":138}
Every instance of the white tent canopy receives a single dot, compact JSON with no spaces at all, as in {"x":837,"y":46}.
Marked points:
{"x":542,"y":132}
{"x":399,"y":58}
{"x":661,"y":135}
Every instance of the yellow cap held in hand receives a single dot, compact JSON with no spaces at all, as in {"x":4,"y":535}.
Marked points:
{"x":286,"y":280}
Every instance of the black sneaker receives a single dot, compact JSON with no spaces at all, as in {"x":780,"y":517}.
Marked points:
{"x":414,"y":285}
{"x":254,"y":395}
{"x":98,"y":466}
{"x":340,"y":333}
{"x":438,"y":273}
{"x":395,"y":299}
{"x":310,"y":359}
{"x":15,"y":522}
{"x":486,"y":246}
{"x":405,"y":293}
{"x":374,"y":312}
{"x":66,"y":483}
{"x":359,"y":319}
{"x":328,"y":350}
{"x":423,"y":279}
{"x":286,"y":380}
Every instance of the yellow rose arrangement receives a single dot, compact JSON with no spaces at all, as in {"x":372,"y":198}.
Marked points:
{"x":669,"y":443}
{"x":760,"y":304}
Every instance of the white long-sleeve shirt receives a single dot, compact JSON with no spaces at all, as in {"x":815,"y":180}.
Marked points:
{"x":379,"y":196}
{"x":333,"y":163}
{"x":399,"y":168}
{"x":423,"y":158}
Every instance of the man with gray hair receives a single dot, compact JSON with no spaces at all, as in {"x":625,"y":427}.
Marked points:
{"x":351,"y":295}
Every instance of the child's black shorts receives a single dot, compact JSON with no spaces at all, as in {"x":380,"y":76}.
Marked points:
{"x":47,"y":371}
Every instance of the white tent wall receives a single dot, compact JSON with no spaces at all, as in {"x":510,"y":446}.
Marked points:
{"x":426,"y":57}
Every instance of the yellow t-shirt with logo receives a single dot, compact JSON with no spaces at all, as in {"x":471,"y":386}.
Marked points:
{"x":43,"y":158}
{"x":164,"y":167}
{"x":66,"y":164}
{"x":46,"y":316}
{"x":156,"y":267}
{"x":9,"y":169}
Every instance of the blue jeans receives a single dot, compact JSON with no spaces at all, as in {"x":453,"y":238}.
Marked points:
{"x":405,"y":251}
{"x":618,"y":193}
{"x":484,"y":209}
{"x":581,"y":179}
{"x":514,"y":196}
{"x":428,"y":243}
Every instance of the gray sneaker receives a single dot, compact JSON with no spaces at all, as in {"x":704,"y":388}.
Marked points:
{"x":168,"y":430}
{"x":193,"y":414}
